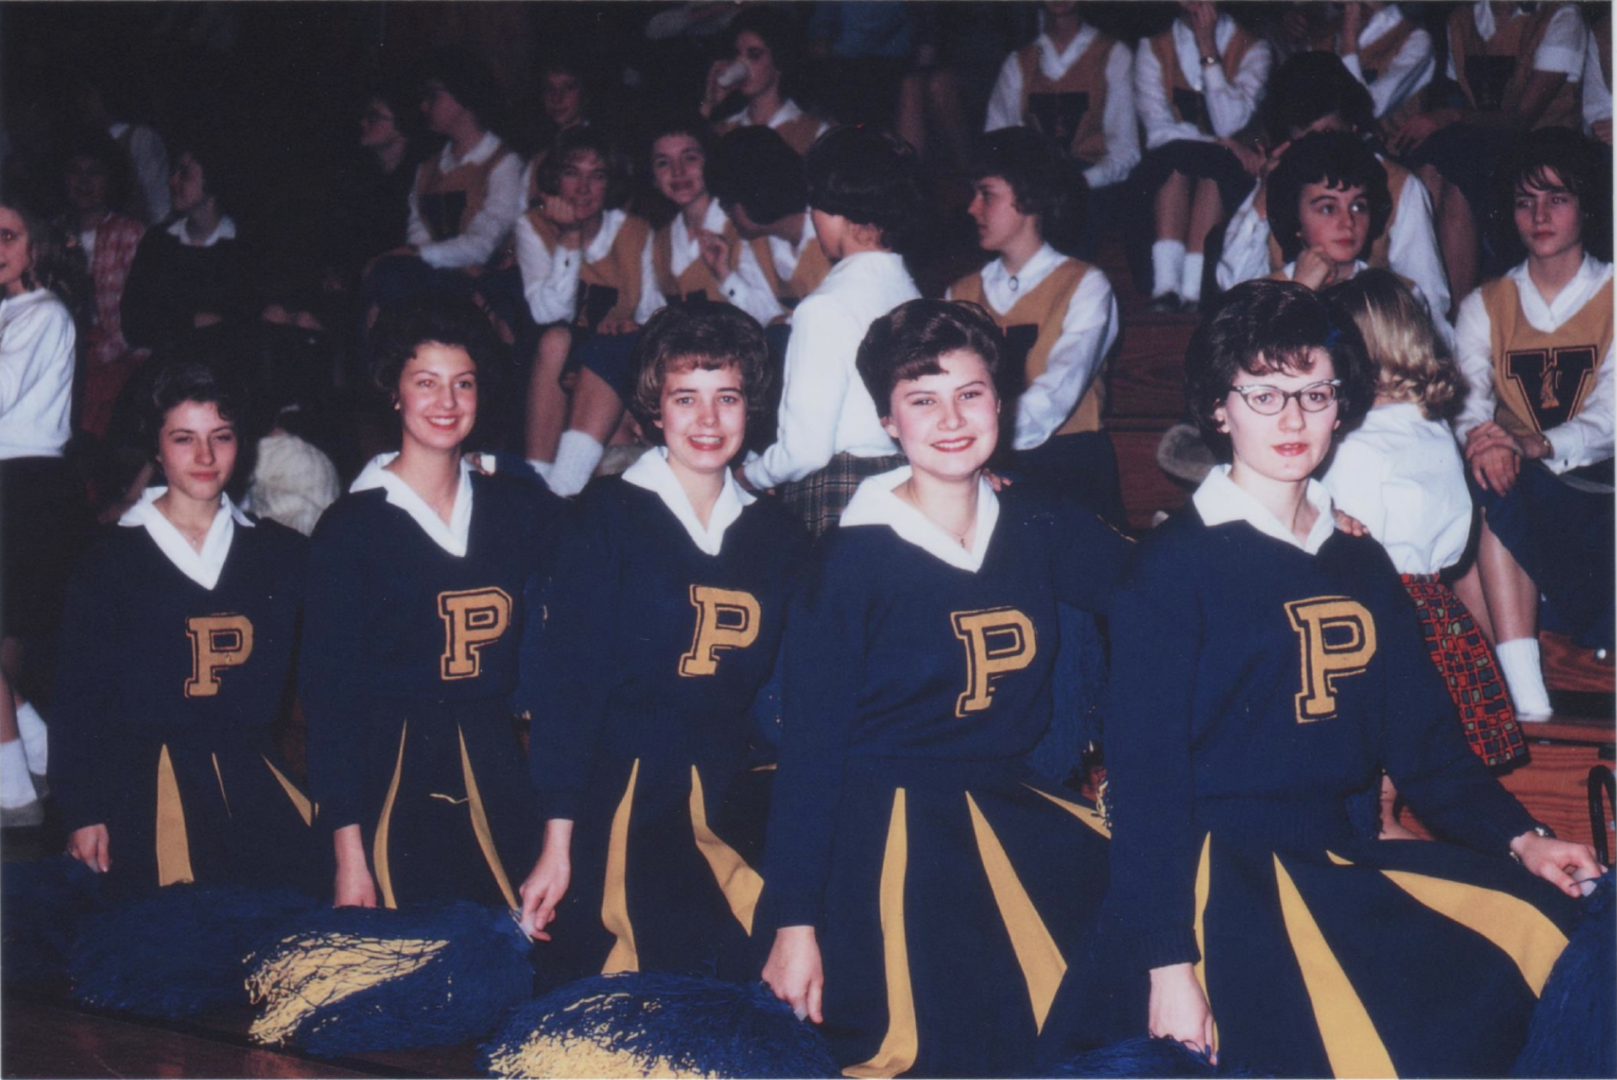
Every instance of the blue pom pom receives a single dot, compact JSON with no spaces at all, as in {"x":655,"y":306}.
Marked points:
{"x":635,"y":1024}
{"x":1574,"y":1028}
{"x":179,"y":951}
{"x":1144,"y":1056}
{"x":42,"y":905}
{"x":352,"y":980}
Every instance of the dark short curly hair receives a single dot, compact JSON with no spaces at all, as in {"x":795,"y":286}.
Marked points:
{"x":179,"y":381}
{"x":1337,"y":159}
{"x":469,"y":80}
{"x":1583,"y":168}
{"x":681,"y":337}
{"x":907,"y":341}
{"x":753,"y":167}
{"x":1308,"y":87}
{"x":403,"y":328}
{"x":1045,"y":183}
{"x":870,"y":178}
{"x":1263,"y":327}
{"x":579,"y":140}
{"x":779,"y":31}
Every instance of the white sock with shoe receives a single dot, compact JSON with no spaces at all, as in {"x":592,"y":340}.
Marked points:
{"x":1167,"y":267}
{"x":1524,"y":676}
{"x":1190,"y":281}
{"x":577,"y":455}
{"x":34,"y":743}
{"x":16,"y":787}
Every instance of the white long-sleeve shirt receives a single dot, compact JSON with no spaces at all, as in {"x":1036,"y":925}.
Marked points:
{"x":1118,"y":121}
{"x":502,"y":205}
{"x":1229,"y":104}
{"x":1596,"y":94}
{"x":1412,"y":250}
{"x":36,"y":375}
{"x":1403,"y":476}
{"x":550,"y":278}
{"x":1405,"y":74}
{"x":747,"y":287}
{"x":1560,"y":50}
{"x":824,"y":406}
{"x":1586,"y":438}
{"x":1088,"y":332}
{"x":684,"y":248}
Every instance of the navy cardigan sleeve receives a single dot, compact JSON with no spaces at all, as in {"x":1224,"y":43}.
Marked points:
{"x":84,"y":697}
{"x":823,"y":671}
{"x":335,"y":611}
{"x":575,"y":658}
{"x":1156,"y":632}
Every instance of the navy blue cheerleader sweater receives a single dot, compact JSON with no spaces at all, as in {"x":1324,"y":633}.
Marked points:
{"x":399,"y":629}
{"x":1254,"y":687}
{"x":653,"y":652}
{"x":893,"y":656}
{"x":169,"y":690}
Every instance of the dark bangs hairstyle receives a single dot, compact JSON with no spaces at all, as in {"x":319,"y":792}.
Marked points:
{"x":1338,"y":159}
{"x":683,"y":337}
{"x":1583,"y":168}
{"x":906,"y":343}
{"x":1044,"y":182}
{"x":403,"y":328}
{"x":870,"y":178}
{"x":469,"y":81}
{"x":179,"y":381}
{"x":1267,"y":327}
{"x":579,"y":140}
{"x":1308,"y":87}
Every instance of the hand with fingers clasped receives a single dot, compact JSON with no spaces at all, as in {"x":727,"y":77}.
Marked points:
{"x":1495,"y":456}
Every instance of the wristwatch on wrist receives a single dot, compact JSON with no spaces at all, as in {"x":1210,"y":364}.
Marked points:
{"x":1543,"y":830}
{"x":1549,"y":447}
{"x":1210,"y":59}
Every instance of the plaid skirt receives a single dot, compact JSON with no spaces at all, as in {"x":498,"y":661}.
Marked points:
{"x":1469,"y":670}
{"x":819,"y":498}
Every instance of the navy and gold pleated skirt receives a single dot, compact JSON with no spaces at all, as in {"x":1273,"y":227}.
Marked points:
{"x":215,"y":812}
{"x":1361,"y":958}
{"x":664,"y":874}
{"x":958,"y":898}
{"x":453,"y":809}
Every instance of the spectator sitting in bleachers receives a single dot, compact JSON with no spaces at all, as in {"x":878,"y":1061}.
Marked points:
{"x":766,"y":51}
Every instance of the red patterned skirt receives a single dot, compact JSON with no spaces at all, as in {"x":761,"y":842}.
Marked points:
{"x":1469,"y":669}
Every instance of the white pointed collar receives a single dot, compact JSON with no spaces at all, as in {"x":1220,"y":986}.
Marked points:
{"x":1054,"y":64}
{"x":876,"y":504}
{"x":202,"y":567}
{"x":1221,"y":500}
{"x":1290,"y":269}
{"x":653,"y":473}
{"x":1592,"y":276}
{"x":1482,"y":11}
{"x":713,"y":222}
{"x":452,"y":537}
{"x":225,"y":230}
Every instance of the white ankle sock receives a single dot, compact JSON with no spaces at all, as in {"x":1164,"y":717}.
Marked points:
{"x":576,"y":457}
{"x":1524,"y":676}
{"x":542,"y":468}
{"x":34,"y":745}
{"x":16,"y":789}
{"x":1167,"y":266}
{"x":1190,"y":279}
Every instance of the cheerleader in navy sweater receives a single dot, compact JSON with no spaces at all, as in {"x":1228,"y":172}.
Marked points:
{"x":176,"y":653}
{"x":416,"y":586}
{"x":925,"y":889}
{"x":1264,"y":666}
{"x":664,"y":620}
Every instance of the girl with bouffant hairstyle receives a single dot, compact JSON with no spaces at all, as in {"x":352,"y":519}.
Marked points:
{"x":1402,"y":475}
{"x":664,"y":617}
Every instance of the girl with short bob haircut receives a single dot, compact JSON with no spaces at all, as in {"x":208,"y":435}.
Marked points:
{"x":1335,"y":161}
{"x":417,"y":579}
{"x":865,"y":201}
{"x":664,"y":620}
{"x":177,"y":644}
{"x":1248,"y":915}
{"x":922,"y":883}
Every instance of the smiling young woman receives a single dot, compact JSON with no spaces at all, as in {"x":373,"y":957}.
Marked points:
{"x":923,"y":887}
{"x":665,"y":617}
{"x":417,"y":584}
